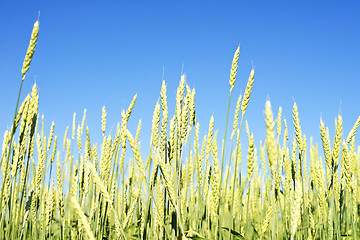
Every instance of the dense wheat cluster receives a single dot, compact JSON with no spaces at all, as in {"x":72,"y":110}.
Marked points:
{"x":184,"y":188}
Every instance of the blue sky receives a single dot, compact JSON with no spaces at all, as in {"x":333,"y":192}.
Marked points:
{"x":92,"y":54}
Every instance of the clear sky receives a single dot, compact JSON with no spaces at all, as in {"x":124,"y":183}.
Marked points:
{"x":93,"y":53}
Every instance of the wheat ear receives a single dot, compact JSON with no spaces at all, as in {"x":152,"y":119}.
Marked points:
{"x":247,"y":93}
{"x":234,"y":67}
{"x":31,"y":49}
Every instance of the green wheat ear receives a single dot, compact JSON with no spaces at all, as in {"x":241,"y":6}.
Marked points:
{"x":234,"y":66}
{"x":31,"y":49}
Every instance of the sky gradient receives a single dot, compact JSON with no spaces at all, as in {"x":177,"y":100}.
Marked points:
{"x":91,"y":54}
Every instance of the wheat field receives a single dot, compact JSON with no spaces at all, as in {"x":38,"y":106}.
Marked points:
{"x":184,"y":188}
